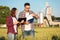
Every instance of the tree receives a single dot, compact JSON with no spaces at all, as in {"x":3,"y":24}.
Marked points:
{"x":4,"y":11}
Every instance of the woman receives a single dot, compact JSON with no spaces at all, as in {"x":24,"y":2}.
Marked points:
{"x":11,"y":23}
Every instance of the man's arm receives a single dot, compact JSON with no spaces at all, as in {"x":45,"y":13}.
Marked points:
{"x":35,"y":15}
{"x":19,"y":16}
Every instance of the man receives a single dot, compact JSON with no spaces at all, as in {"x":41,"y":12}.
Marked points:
{"x":28,"y":27}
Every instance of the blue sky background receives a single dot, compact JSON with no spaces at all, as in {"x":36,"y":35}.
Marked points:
{"x":36,"y":5}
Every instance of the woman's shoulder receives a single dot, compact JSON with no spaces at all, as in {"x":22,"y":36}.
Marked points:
{"x":8,"y":16}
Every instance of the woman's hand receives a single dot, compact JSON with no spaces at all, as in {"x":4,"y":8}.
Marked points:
{"x":22,"y":21}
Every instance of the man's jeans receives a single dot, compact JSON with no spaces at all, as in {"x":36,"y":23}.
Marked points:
{"x":26,"y":33}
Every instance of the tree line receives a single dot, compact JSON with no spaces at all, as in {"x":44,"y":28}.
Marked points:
{"x":4,"y":11}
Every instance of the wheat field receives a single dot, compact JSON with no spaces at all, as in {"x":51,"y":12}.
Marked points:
{"x":40,"y":33}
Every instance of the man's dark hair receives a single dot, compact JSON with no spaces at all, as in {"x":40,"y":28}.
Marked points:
{"x":27,"y":4}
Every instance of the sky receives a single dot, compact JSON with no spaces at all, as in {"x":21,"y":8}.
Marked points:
{"x":36,"y":5}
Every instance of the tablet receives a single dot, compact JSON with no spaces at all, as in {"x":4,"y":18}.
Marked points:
{"x":20,"y":19}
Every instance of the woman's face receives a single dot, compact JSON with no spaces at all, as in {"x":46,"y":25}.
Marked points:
{"x":16,"y":12}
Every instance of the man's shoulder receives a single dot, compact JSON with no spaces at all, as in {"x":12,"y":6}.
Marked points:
{"x":30,"y":11}
{"x":22,"y":12}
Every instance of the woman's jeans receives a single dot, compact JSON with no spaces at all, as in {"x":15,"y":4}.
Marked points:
{"x":11,"y":36}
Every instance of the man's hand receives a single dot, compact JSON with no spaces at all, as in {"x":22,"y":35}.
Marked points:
{"x":36,"y":16}
{"x":27,"y":22}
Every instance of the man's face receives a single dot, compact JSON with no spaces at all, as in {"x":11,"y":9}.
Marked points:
{"x":26,"y":8}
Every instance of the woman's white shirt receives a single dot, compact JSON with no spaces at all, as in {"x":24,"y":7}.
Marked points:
{"x":15,"y":26}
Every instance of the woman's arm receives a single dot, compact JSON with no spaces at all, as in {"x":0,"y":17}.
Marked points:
{"x":16,"y":22}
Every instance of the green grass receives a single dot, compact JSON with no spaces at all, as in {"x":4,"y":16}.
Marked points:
{"x":40,"y":33}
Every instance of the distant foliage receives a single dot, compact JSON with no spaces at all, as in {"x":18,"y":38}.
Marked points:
{"x":4,"y":11}
{"x":53,"y":18}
